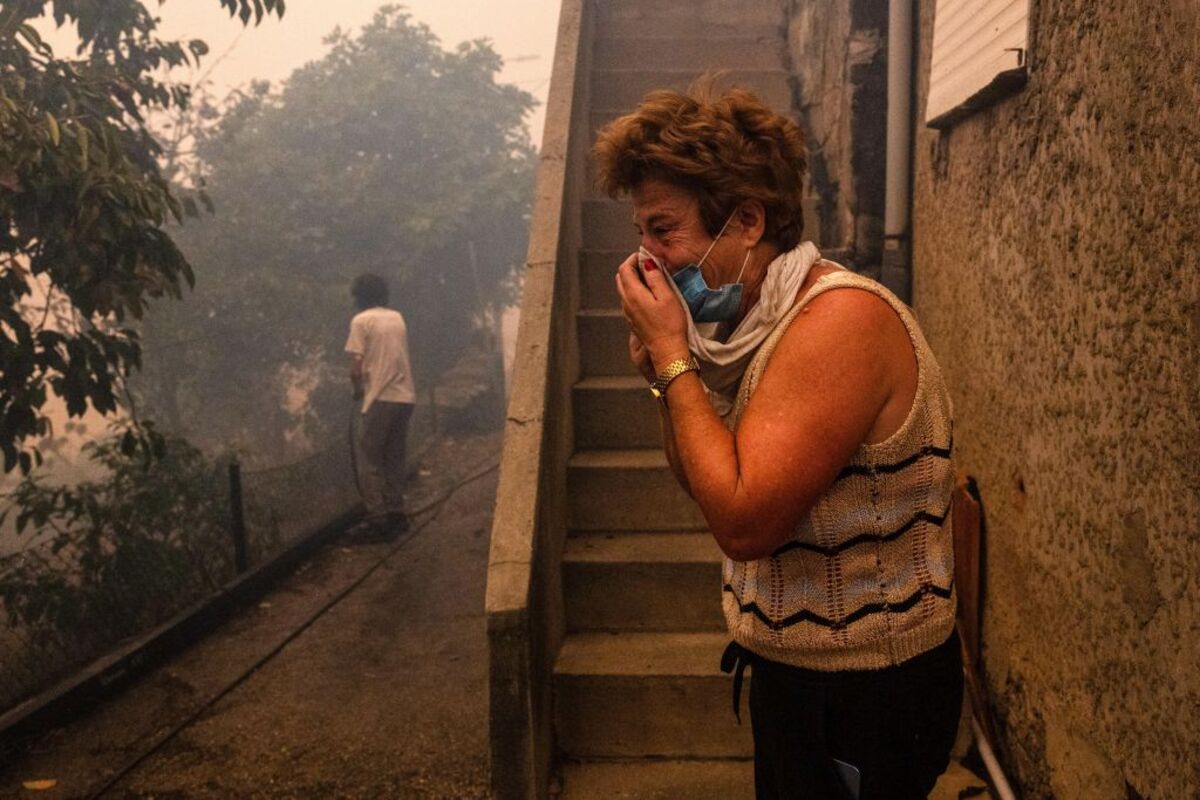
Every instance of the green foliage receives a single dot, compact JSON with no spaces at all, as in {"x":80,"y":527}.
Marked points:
{"x":390,"y":154}
{"x":83,"y":204}
{"x":119,"y":553}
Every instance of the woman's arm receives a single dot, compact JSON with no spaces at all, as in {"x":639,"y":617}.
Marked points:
{"x":817,"y":401}
{"x":640,"y":357}
{"x":672,"y":450}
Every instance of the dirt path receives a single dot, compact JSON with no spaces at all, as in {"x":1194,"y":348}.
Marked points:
{"x":383,"y":696}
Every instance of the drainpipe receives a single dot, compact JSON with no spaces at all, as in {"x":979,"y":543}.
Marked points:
{"x":896,"y":272}
{"x":897,"y":241}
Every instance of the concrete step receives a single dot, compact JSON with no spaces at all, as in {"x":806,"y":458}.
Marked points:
{"x":670,"y":19}
{"x":623,"y":695}
{"x":603,"y":343}
{"x":698,"y":54}
{"x":597,"y":274}
{"x":627,"y":490}
{"x":615,"y":412}
{"x":625,"y":88}
{"x":728,"y":779}
{"x":608,"y":225}
{"x":637,"y":779}
{"x":643,"y":582}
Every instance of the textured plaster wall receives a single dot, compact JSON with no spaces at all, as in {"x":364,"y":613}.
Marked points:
{"x":1057,"y":276}
{"x":838,"y":50}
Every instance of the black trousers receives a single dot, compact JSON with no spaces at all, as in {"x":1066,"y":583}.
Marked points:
{"x":896,"y":726}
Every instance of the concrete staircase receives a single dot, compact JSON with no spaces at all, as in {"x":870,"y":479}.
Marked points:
{"x":641,"y":708}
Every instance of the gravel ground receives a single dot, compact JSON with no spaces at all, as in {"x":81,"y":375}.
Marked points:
{"x":383,"y":696}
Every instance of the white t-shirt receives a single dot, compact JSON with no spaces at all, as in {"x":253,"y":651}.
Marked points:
{"x":380,"y":336}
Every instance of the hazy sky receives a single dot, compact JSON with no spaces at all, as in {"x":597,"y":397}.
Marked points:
{"x":522,"y":31}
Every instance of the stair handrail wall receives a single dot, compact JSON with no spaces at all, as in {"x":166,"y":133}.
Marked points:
{"x":524,"y":605}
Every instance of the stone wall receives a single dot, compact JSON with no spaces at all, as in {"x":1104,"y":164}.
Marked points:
{"x":839,"y":60}
{"x":1057,"y":276}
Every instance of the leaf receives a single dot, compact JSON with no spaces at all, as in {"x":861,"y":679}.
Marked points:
{"x":52,"y":126}
{"x":40,"y":785}
{"x":31,"y":35}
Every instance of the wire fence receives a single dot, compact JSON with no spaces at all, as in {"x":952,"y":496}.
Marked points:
{"x":68,"y":601}
{"x":71,"y":596}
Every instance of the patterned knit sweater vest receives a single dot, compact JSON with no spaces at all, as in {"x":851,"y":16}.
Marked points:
{"x":867,"y":580}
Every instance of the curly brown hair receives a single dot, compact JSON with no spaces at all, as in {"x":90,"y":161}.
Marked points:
{"x":723,"y":148}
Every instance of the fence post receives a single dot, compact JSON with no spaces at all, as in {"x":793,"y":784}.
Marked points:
{"x":237,"y":517}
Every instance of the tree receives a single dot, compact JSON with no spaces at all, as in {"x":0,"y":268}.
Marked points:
{"x":390,"y":154}
{"x":83,"y":205}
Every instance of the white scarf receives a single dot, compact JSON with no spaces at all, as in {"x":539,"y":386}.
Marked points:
{"x":722,"y":363}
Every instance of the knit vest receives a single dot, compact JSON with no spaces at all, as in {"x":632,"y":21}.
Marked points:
{"x":867,"y":581}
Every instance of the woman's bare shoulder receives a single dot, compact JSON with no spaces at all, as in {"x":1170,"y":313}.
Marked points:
{"x":841,"y":327}
{"x":820,"y":269}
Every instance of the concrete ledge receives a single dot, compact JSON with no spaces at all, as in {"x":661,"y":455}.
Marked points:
{"x":508,"y":699}
{"x":520,"y":599}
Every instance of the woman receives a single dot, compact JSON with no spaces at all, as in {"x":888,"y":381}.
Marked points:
{"x":805,"y":414}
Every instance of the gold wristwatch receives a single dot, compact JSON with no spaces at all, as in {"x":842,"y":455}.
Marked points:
{"x":658,"y":387}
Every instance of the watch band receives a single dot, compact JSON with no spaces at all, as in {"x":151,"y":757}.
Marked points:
{"x":658,"y":387}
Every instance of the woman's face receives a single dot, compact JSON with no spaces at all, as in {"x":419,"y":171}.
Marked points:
{"x":667,"y":218}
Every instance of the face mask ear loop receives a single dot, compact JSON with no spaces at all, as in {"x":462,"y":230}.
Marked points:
{"x":745,"y":261}
{"x":720,"y":233}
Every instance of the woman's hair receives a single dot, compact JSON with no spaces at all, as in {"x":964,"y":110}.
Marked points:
{"x":724,"y":149}
{"x":369,"y":290}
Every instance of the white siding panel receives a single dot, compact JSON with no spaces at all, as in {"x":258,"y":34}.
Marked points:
{"x":999,"y":32}
{"x":974,"y":41}
{"x":952,"y":11}
{"x":977,"y":31}
{"x":965,"y":23}
{"x":969,"y":63}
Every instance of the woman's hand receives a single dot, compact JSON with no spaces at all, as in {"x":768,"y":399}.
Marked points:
{"x":640,"y":357}
{"x":656,"y":317}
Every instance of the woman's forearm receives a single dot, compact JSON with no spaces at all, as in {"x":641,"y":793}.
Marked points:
{"x":705,"y":454}
{"x":668,"y":435}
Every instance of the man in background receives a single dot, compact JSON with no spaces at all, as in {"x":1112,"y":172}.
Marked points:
{"x":383,"y":385}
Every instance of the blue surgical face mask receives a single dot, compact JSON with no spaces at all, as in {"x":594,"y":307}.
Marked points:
{"x":705,"y":304}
